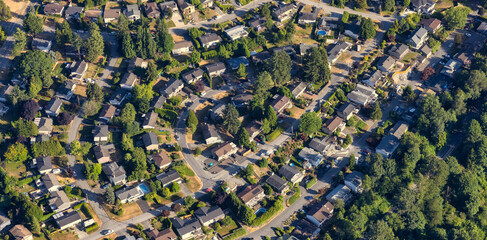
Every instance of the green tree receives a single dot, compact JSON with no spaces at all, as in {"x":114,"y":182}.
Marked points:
{"x":164,"y":39}
{"x":242,"y":71}
{"x":263,"y":83}
{"x":32,"y":23}
{"x":146,"y":46}
{"x":380,"y":230}
{"x":270,"y":115}
{"x":243,"y":138}
{"x":17,"y":95}
{"x":128,"y":113}
{"x":16,"y":152}
{"x":25,"y":128}
{"x":128,"y":50}
{"x":367,"y":29}
{"x":230,"y":119}
{"x":456,"y":17}
{"x":94,"y":92}
{"x":64,"y":34}
{"x":309,"y":123}
{"x":91,"y":108}
{"x":246,"y":215}
{"x":110,"y":196}
{"x":376,"y":112}
{"x":315,"y":66}
{"x":35,"y":86}
{"x":20,"y":42}
{"x":405,"y":3}
{"x":92,"y":171}
{"x":195,"y":57}
{"x":123,"y":26}
{"x":348,"y":140}
{"x":409,"y":94}
{"x":192,"y":121}
{"x":94,"y":44}
{"x":389,"y":5}
{"x":175,"y":187}
{"x":5,"y":14}
{"x":362,"y":4}
{"x":280,"y":67}
{"x":77,"y":43}
{"x":151,"y":73}
{"x":345,"y":17}
{"x":475,"y":84}
{"x":37,"y":64}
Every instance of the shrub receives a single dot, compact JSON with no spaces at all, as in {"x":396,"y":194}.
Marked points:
{"x":311,"y":183}
{"x":295,"y":197}
{"x":235,"y":234}
{"x":273,"y":209}
{"x":91,"y":228}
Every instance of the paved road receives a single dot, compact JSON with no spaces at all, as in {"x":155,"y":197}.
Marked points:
{"x":110,"y":68}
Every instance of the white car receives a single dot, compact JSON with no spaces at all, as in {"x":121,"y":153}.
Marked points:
{"x":107,"y":232}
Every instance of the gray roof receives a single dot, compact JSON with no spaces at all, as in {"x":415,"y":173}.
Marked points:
{"x":168,"y":177}
{"x":355,"y":178}
{"x":185,"y":226}
{"x":158,"y":102}
{"x":386,"y":62}
{"x":114,"y":13}
{"x":209,"y":131}
{"x":192,"y":75}
{"x":135,"y":62}
{"x":304,"y":47}
{"x":388,"y":144}
{"x":44,"y":124}
{"x":113,"y":171}
{"x":346,"y":108}
{"x":64,"y":218}
{"x":276,"y":182}
{"x":73,"y":10}
{"x":54,"y":104}
{"x":100,"y":152}
{"x":298,"y":88}
{"x":53,"y":8}
{"x":311,"y":16}
{"x":288,"y":172}
{"x":129,"y":79}
{"x":374,"y":78}
{"x":119,"y":95}
{"x":340,"y":192}
{"x":399,"y":50}
{"x":58,"y":199}
{"x":44,"y":163}
{"x":235,"y":62}
{"x":172,"y":86}
{"x":150,"y":119}
{"x":283,"y":8}
{"x":208,"y":38}
{"x":399,"y":129}
{"x":183,"y":44}
{"x":169,"y":4}
{"x":50,"y":180}
{"x":149,"y":139}
{"x":205,"y":214}
{"x":100,"y":131}
{"x":6,"y":90}
{"x":132,"y":10}
{"x":418,"y":35}
{"x":419,"y":3}
{"x":337,"y":49}
{"x":78,"y":67}
{"x":129,"y":192}
{"x":215,"y":67}
{"x":319,"y":144}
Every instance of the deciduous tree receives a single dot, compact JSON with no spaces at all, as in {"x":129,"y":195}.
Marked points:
{"x":310,"y":123}
{"x":32,"y":23}
{"x":29,"y":110}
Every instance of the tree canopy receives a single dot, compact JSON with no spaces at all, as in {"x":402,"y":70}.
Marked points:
{"x":456,"y":17}
{"x":37,"y":64}
{"x":315,"y":66}
{"x":32,"y":23}
{"x":230,"y":119}
{"x":367,"y":29}
{"x":309,"y":123}
{"x":94,"y":44}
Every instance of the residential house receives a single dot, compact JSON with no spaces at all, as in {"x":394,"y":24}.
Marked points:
{"x":324,"y":145}
{"x":353,"y":181}
{"x":426,"y":51}
{"x":3,"y":108}
{"x":44,"y":164}
{"x":102,"y":154}
{"x":451,"y":67}
{"x":100,"y":133}
{"x":173,"y":87}
{"x":236,"y":32}
{"x":78,"y":70}
{"x":303,"y":48}
{"x":386,"y":63}
{"x":313,"y":158}
{"x":333,"y":124}
{"x":187,"y":228}
{"x":19,"y":232}
{"x":107,"y":112}
{"x":418,"y":38}
{"x":128,"y":81}
{"x":132,"y":12}
{"x":236,"y":62}
{"x":278,"y":184}
{"x":150,"y":141}
{"x":5,"y":92}
{"x":59,"y":201}
{"x":216,"y":113}
{"x":166,"y":234}
{"x":210,"y":40}
{"x":320,"y":213}
{"x":43,"y":41}
{"x":305,"y":230}
{"x":284,"y":12}
{"x":151,"y":10}
{"x":38,"y":139}
{"x":169,"y":177}
{"x":150,"y":120}
{"x":66,"y":90}
{"x":115,"y":173}
{"x":430,"y":24}
{"x":372,"y":79}
{"x":160,"y":159}
{"x":399,"y":51}
{"x":192,"y":76}
{"x":66,"y":220}
{"x":308,"y":17}
{"x":4,"y":221}
{"x":54,"y":107}
{"x":289,"y":49}
{"x":93,"y":14}
{"x":325,"y":25}
{"x":251,"y":195}
{"x":337,"y":49}
{"x":112,"y":15}
{"x":207,"y":3}
{"x":50,"y":182}
{"x":260,"y":57}
{"x":136,"y":62}
{"x":210,"y":134}
{"x":362,"y":95}
{"x":280,"y":103}
{"x":341,"y":192}
{"x":207,"y":216}
{"x":158,"y":102}
{"x":423,"y":6}
{"x":292,"y":174}
{"x":399,"y":129}
{"x":215,"y":69}
{"x":53,"y":9}
{"x":44,"y":125}
{"x":482,"y":28}
{"x":258,"y":24}
{"x":224,"y":150}
{"x":73,"y":12}
{"x":254,"y":129}
{"x":242,"y":100}
{"x":186,"y":7}
{"x":347,"y":110}
{"x":390,"y":142}
{"x":168,"y":6}
{"x":183,"y":47}
{"x":128,"y":195}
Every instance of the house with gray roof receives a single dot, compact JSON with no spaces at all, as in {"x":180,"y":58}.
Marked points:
{"x":78,"y":70}
{"x":54,"y":9}
{"x":234,"y":63}
{"x":337,"y":49}
{"x":423,"y":6}
{"x":107,"y":112}
{"x":192,"y":75}
{"x":207,"y":216}
{"x":251,"y":195}
{"x":210,"y":40}
{"x":298,"y":89}
{"x":44,"y":164}
{"x":418,"y":38}
{"x":115,"y":173}
{"x":150,"y":141}
{"x":130,"y":194}
{"x":168,"y":5}
{"x":215,"y":69}
{"x":320,"y":213}
{"x":347,"y":110}
{"x":102,"y":154}
{"x":160,"y":159}
{"x":44,"y":125}
{"x":284,"y":12}
{"x":4,"y":221}
{"x":183,"y":47}
{"x":353,"y":181}
{"x":100,"y":133}
{"x":372,"y":79}
{"x":278,"y":184}
{"x":173,"y":87}
{"x":341,"y":192}
{"x":169,"y":177}
{"x":399,"y":51}
{"x":59,"y":201}
{"x":386,"y":63}
{"x":312,"y":158}
{"x":50,"y":182}
{"x":112,"y":15}
{"x":308,"y":17}
{"x":151,"y":10}
{"x":73,"y":12}
{"x":5,"y":92}
{"x":54,"y":107}
{"x":241,"y":100}
{"x":150,"y":120}
{"x":132,"y":12}
{"x":292,"y":174}
{"x":66,"y":220}
{"x":158,"y":102}
{"x":362,"y":95}
{"x":187,"y":228}
{"x":210,"y":134}
{"x":128,"y":81}
{"x":119,"y":96}
{"x":66,"y":91}
{"x":258,"y":24}
{"x":216,"y":113}
{"x":236,"y":32}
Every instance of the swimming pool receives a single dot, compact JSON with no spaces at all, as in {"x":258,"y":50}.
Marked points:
{"x":259,"y":212}
{"x":321,"y":32}
{"x":144,"y":188}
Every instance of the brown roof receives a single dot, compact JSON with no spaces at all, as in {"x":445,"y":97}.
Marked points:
{"x":108,"y":111}
{"x":432,"y":23}
{"x":53,"y":8}
{"x":333,"y":123}
{"x":322,"y":213}
{"x":20,"y":232}
{"x":182,"y":44}
{"x":92,"y":13}
{"x":161,"y":159}
{"x":250,"y":192}
{"x":112,"y":13}
{"x":223,"y":149}
{"x":166,"y":234}
{"x":280,"y":102}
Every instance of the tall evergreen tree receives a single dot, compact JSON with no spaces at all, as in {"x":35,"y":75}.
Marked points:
{"x":243,"y":138}
{"x":315,"y":65}
{"x":280,"y":67}
{"x":33,"y":24}
{"x":20,"y":42}
{"x":64,"y":34}
{"x":94,"y":45}
{"x":128,"y":50}
{"x":165,"y":43}
{"x":367,"y":29}
{"x":230,"y":119}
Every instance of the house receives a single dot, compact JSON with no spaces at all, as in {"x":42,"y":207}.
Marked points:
{"x":210,"y":40}
{"x":251,"y":195}
{"x":278,"y":184}
{"x":216,"y":113}
{"x":136,"y":62}
{"x":224,"y":151}
{"x":236,"y":62}
{"x":284,"y":12}
{"x":44,"y":164}
{"x":169,"y":5}
{"x":386,"y":63}
{"x":192,"y":76}
{"x":347,"y":110}
{"x":5,"y":92}
{"x":53,"y":9}
{"x":169,"y":177}
{"x":66,"y":90}
{"x":107,"y":112}
{"x":305,"y":230}
{"x":44,"y":125}
{"x":66,"y":220}
{"x":19,"y":232}
{"x":54,"y":107}
{"x":337,"y":49}
{"x":426,"y":51}
{"x":207,"y":216}
{"x":289,"y":49}
{"x":482,"y":28}
{"x":387,"y":145}
{"x":325,"y":25}
{"x":215,"y":69}
{"x":430,"y":24}
{"x":292,"y":174}
{"x":280,"y":103}
{"x":132,"y":12}
{"x":207,"y":3}
{"x":311,"y":156}
{"x":423,"y":6}
{"x":353,"y":181}
{"x":50,"y":182}
{"x":399,"y":129}
{"x":260,"y":57}
{"x":186,"y":7}
{"x":187,"y":228}
{"x":183,"y":47}
{"x":372,"y":79}
{"x":128,"y":81}
{"x":102,"y":154}
{"x":160,"y":159}
{"x":253,"y":129}
{"x":399,"y":51}
{"x":158,"y":102}
{"x":73,"y":12}
{"x":150,"y":141}
{"x":258,"y":24}
{"x":341,"y":192}
{"x":93,"y":14}
{"x":242,"y":100}
{"x":4,"y":221}
{"x":362,"y":95}
{"x":333,"y":124}
{"x":323,"y":145}
{"x":173,"y":87}
{"x":210,"y":134}
{"x":450,"y":68}
{"x":166,"y":234}
{"x":115,"y":173}
{"x":151,"y":10}
{"x":308,"y":17}
{"x":59,"y":201}
{"x":130,"y":194}
{"x":3,"y":109}
{"x":78,"y":70}
{"x":236,"y":32}
{"x":100,"y":133}
{"x":418,"y":38}
{"x":320,"y":213}
{"x":112,"y":15}
{"x":43,"y":41}
{"x":150,"y":120}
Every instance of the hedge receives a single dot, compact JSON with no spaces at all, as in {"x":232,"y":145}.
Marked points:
{"x":91,"y":228}
{"x":311,"y":183}
{"x":169,"y":115}
{"x":274,"y":134}
{"x":235,"y":234}
{"x":295,"y":196}
{"x":209,"y":54}
{"x":275,"y":208}
{"x":86,"y":210}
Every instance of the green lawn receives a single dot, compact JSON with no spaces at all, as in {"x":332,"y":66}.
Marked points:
{"x":15,"y":169}
{"x":224,"y":230}
{"x":184,"y":170}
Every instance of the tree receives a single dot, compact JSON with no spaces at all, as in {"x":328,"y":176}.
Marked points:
{"x":110,"y":196}
{"x":230,"y":119}
{"x":94,"y":44}
{"x":192,"y":121}
{"x":188,"y":201}
{"x":456,"y":17}
{"x":427,"y":72}
{"x":376,"y":113}
{"x":309,"y":123}
{"x":280,"y":67}
{"x":94,"y":92}
{"x":128,"y":50}
{"x":270,"y":115}
{"x":128,"y":114}
{"x":146,"y":46}
{"x":246,"y":215}
{"x":16,"y":152}
{"x":65,"y":118}
{"x":151,"y":73}
{"x":380,"y":230}
{"x":91,"y":108}
{"x":20,"y":42}
{"x":176,"y":207}
{"x":175,"y":187}
{"x":33,"y":225}
{"x":263,"y":83}
{"x":92,"y":171}
{"x":64,"y":34}
{"x":345,"y":17}
{"x":389,"y":5}
{"x":29,"y":110}
{"x":195,"y":57}
{"x":25,"y":128}
{"x":164,"y":39}
{"x":315,"y":65}
{"x":242,"y":71}
{"x":362,"y":4}
{"x":475,"y":84}
{"x":367,"y":29}
{"x":405,"y":3}
{"x":5,"y":14}
{"x":77,"y":43}
{"x":243,"y":138}
{"x":32,"y":23}
{"x":409,"y":94}
{"x":348,"y":140}
{"x":35,"y":86}
{"x":37,"y":64}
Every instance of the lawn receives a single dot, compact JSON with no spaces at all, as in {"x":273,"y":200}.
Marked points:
{"x":409,"y":57}
{"x":274,"y":134}
{"x":194,"y":183}
{"x":95,"y":216}
{"x":15,"y":169}
{"x":184,"y":170}
{"x":130,"y":210}
{"x":63,"y":235}
{"x":224,"y":230}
